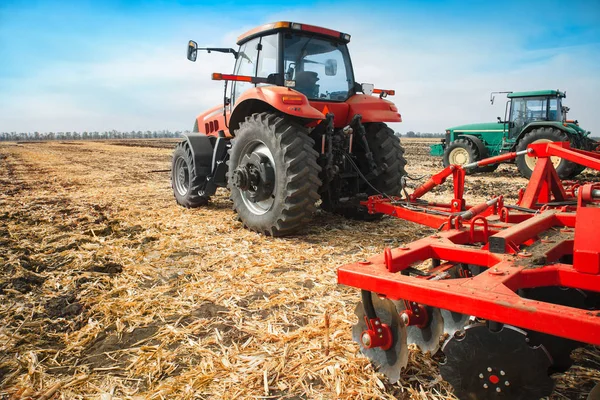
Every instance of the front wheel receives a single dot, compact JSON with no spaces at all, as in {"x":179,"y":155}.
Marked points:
{"x":185,"y":181}
{"x":273,"y":175}
{"x":526,"y":164}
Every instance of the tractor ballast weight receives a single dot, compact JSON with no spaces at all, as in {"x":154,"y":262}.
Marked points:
{"x":515,"y":287}
{"x":281,"y":141}
{"x":530,"y":117}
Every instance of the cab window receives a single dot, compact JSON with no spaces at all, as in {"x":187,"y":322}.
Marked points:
{"x":245,"y":65}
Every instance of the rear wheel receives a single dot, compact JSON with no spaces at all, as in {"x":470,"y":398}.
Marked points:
{"x":386,"y":149}
{"x":273,"y":175}
{"x":184,"y":180}
{"x":526,"y":164}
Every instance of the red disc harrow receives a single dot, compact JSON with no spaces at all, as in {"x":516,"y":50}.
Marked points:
{"x":505,"y":282}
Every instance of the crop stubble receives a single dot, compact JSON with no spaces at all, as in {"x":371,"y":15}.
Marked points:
{"x":108,"y":288}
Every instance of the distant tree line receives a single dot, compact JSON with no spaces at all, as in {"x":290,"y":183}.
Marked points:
{"x":412,"y":134}
{"x":85,"y":135}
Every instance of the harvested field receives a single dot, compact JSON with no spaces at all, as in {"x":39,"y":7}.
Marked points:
{"x":110,"y":290}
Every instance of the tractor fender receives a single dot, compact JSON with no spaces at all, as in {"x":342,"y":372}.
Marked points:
{"x":201,"y":147}
{"x":271,"y":98}
{"x":481,"y":149}
{"x":542,"y":124}
{"x":372,"y":109}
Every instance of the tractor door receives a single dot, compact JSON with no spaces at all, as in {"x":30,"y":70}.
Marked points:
{"x":245,"y":64}
{"x":525,"y":110}
{"x":257,"y":57}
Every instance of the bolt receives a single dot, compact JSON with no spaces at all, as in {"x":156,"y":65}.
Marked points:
{"x":379,"y":330}
{"x":366,"y":339}
{"x":498,"y":390}
{"x":485,"y":385}
{"x":506,"y":383}
{"x":376,"y":322}
{"x":489,"y":369}
{"x":502,"y":373}
{"x":405,"y":318}
{"x":480,"y":376}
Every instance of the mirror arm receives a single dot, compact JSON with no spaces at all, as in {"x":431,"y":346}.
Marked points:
{"x":220,"y":50}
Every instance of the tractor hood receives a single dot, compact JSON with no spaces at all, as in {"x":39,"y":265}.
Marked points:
{"x":479,"y":127}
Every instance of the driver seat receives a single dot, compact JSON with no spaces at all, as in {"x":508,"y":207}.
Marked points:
{"x":306,"y":83}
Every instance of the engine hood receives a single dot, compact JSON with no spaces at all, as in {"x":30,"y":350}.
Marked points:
{"x":479,"y":127}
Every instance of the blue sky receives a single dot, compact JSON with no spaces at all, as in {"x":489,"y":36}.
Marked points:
{"x":96,"y":65}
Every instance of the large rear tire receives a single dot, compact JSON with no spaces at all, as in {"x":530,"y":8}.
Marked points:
{"x":184,"y":180}
{"x":386,"y":148}
{"x":526,"y":164}
{"x":273,"y":175}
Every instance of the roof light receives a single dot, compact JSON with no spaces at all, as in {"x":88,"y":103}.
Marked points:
{"x":295,"y":25}
{"x":346,"y":37}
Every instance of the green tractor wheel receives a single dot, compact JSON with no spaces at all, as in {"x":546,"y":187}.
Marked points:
{"x":526,"y":164}
{"x":460,"y":152}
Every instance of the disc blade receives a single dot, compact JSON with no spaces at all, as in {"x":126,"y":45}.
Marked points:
{"x":481,"y":364}
{"x":427,"y":339}
{"x":389,"y":362}
{"x":559,"y":348}
{"x":453,"y":321}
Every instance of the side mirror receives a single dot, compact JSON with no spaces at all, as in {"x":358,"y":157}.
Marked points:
{"x":330,"y":67}
{"x":192,"y":51}
{"x":500,"y":120}
{"x":367,"y":88}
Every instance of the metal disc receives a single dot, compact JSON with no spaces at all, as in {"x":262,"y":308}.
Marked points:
{"x":453,"y":321}
{"x":559,"y":348}
{"x":389,"y":362}
{"x":427,"y":339}
{"x":481,"y":364}
{"x":595,"y":393}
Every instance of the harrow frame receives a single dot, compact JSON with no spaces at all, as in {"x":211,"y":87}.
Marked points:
{"x":548,"y":238}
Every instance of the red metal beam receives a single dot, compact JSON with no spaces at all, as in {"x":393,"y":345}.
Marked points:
{"x":461,"y":295}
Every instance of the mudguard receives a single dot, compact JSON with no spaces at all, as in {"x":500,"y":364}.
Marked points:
{"x":263,"y":98}
{"x":551,"y":124}
{"x":202,"y":152}
{"x":373,"y":109}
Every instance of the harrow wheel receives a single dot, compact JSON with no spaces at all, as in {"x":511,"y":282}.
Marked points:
{"x":390,"y":362}
{"x":481,"y":364}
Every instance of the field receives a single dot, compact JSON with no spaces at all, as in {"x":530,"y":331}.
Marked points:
{"x":110,"y":290}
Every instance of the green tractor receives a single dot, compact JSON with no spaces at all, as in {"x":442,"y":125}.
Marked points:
{"x":533,"y":117}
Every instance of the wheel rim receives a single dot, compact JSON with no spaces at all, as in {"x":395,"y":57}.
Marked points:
{"x":181,"y":176}
{"x":262,"y":206}
{"x":532,"y":161}
{"x":458,"y":156}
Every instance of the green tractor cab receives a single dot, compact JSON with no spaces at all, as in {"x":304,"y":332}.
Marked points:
{"x":530,"y":117}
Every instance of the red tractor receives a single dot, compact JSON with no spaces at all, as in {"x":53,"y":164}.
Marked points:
{"x":294,"y":128}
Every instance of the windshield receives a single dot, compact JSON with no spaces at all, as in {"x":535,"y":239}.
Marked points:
{"x":529,"y":109}
{"x":320,"y":67}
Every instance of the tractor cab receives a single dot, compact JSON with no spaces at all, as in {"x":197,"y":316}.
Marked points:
{"x":528,"y":107}
{"x":317,"y":66}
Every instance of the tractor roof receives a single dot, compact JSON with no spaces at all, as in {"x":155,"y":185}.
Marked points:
{"x":285,"y":25}
{"x":535,"y":93}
